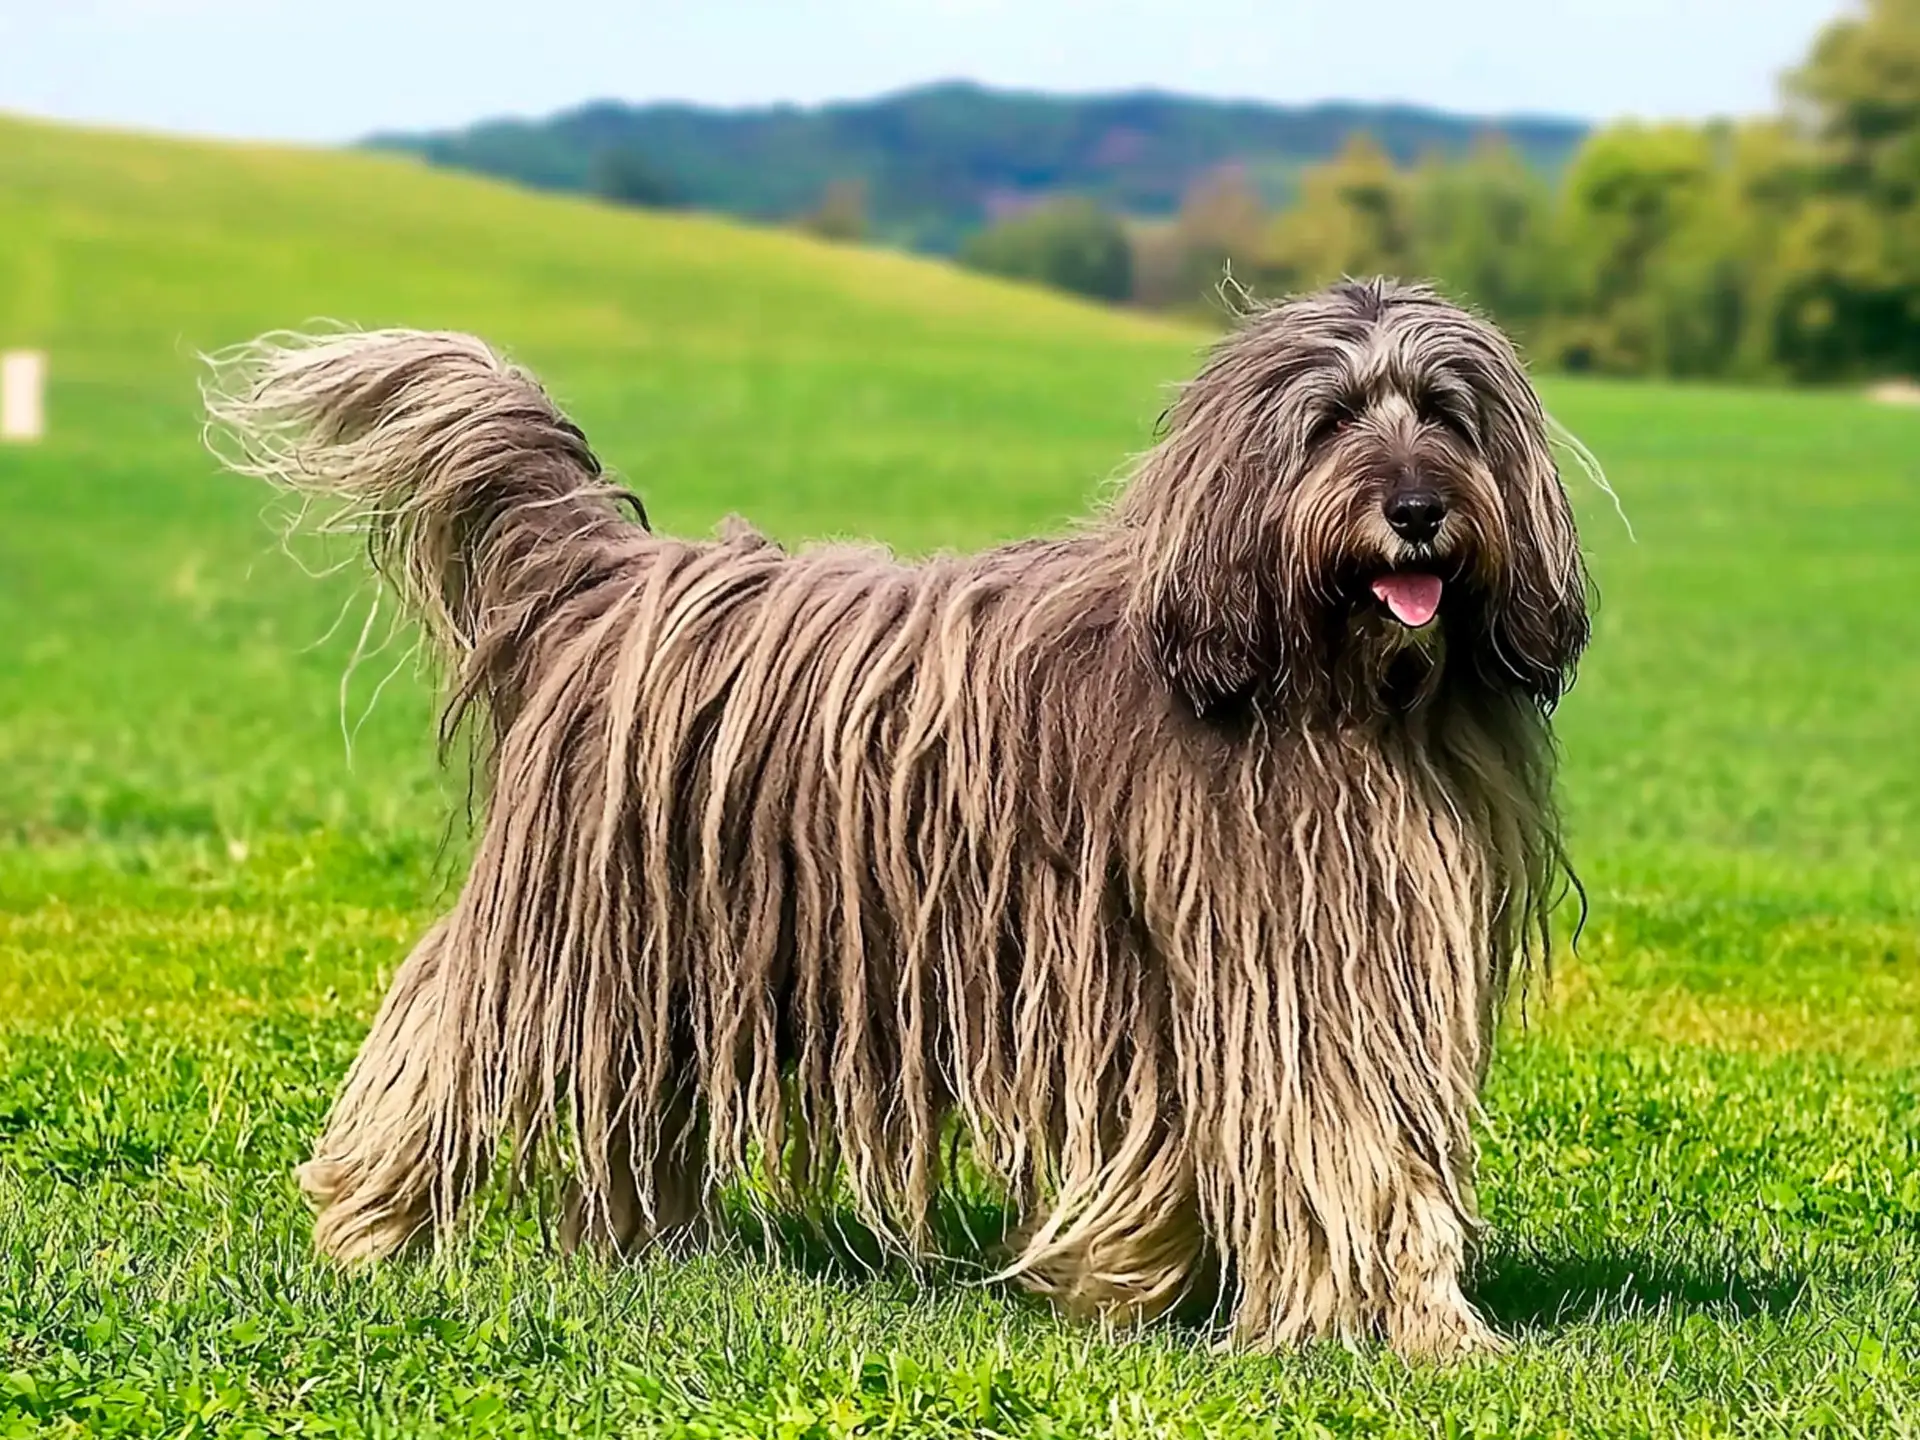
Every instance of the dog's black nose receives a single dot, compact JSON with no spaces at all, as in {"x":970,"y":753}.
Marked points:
{"x":1415,"y":515}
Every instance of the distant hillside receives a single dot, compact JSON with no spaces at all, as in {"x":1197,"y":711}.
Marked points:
{"x":939,"y":161}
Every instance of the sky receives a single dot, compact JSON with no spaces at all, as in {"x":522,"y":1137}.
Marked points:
{"x":335,"y":70}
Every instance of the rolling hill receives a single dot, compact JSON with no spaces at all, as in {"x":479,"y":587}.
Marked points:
{"x":940,"y":160}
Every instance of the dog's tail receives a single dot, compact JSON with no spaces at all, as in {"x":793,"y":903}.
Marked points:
{"x":481,"y":503}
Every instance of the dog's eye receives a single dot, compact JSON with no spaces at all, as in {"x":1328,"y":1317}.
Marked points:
{"x":1331,"y":422}
{"x":1435,"y":410}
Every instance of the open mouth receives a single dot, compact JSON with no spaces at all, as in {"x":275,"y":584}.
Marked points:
{"x":1411,"y":596}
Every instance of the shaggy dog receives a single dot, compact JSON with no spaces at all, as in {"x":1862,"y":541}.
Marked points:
{"x":1179,"y":865}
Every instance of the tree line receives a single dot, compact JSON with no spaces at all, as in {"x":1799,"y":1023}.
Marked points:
{"x":1780,"y":247}
{"x":935,"y":163}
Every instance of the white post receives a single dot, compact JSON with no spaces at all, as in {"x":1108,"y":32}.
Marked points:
{"x":23,"y":389}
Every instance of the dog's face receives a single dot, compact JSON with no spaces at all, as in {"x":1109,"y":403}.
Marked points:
{"x":1355,"y":499}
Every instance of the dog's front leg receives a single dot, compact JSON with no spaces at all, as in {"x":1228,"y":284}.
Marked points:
{"x":1358,"y":1237}
{"x":1122,"y":1246}
{"x":1424,"y":1251}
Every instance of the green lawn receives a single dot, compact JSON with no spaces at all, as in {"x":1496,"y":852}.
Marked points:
{"x":1702,"y":1149}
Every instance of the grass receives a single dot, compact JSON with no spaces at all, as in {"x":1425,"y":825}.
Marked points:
{"x":1702,"y":1149}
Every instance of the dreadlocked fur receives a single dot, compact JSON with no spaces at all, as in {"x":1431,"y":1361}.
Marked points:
{"x":1161,"y":861}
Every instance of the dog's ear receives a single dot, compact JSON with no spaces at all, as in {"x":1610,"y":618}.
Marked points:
{"x":1541,"y":624}
{"x":1202,"y":608}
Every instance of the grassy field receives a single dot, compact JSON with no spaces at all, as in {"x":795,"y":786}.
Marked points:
{"x":1703,"y":1147}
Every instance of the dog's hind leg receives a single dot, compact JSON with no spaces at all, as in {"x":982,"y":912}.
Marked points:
{"x":376,"y":1173}
{"x":617,"y":1222}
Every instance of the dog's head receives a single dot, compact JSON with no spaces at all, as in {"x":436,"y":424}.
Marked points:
{"x":1355,"y":497}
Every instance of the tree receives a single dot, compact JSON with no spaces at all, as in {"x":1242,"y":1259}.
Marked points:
{"x":1071,"y":244}
{"x":1841,"y":301}
{"x":1634,"y":200}
{"x":1354,"y":217}
{"x":1160,"y":263}
{"x":1764,"y":193}
{"x":1221,"y":231}
{"x":842,"y":212}
{"x":1860,"y":93}
{"x":1850,"y":266}
{"x":1483,"y":230}
{"x":624,"y":175}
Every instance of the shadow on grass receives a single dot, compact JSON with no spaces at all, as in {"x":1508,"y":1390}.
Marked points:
{"x":971,"y":1242}
{"x":1546,"y":1292}
{"x":1517,"y":1291}
{"x":968,"y":1239}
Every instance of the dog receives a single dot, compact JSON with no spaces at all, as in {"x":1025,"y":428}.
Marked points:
{"x":1179,"y":865}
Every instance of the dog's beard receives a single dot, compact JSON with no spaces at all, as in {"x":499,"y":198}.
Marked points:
{"x":1388,"y":618}
{"x":1395,"y":666}
{"x":1378,"y":663}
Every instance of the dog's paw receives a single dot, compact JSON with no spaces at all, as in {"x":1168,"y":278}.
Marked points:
{"x":1445,"y":1332}
{"x":321,"y":1182}
{"x":356,"y":1222}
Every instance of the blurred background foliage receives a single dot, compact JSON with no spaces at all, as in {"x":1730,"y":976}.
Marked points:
{"x":1781,"y":247}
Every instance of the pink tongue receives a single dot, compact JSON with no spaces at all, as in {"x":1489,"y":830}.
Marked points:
{"x":1410,"y":595}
